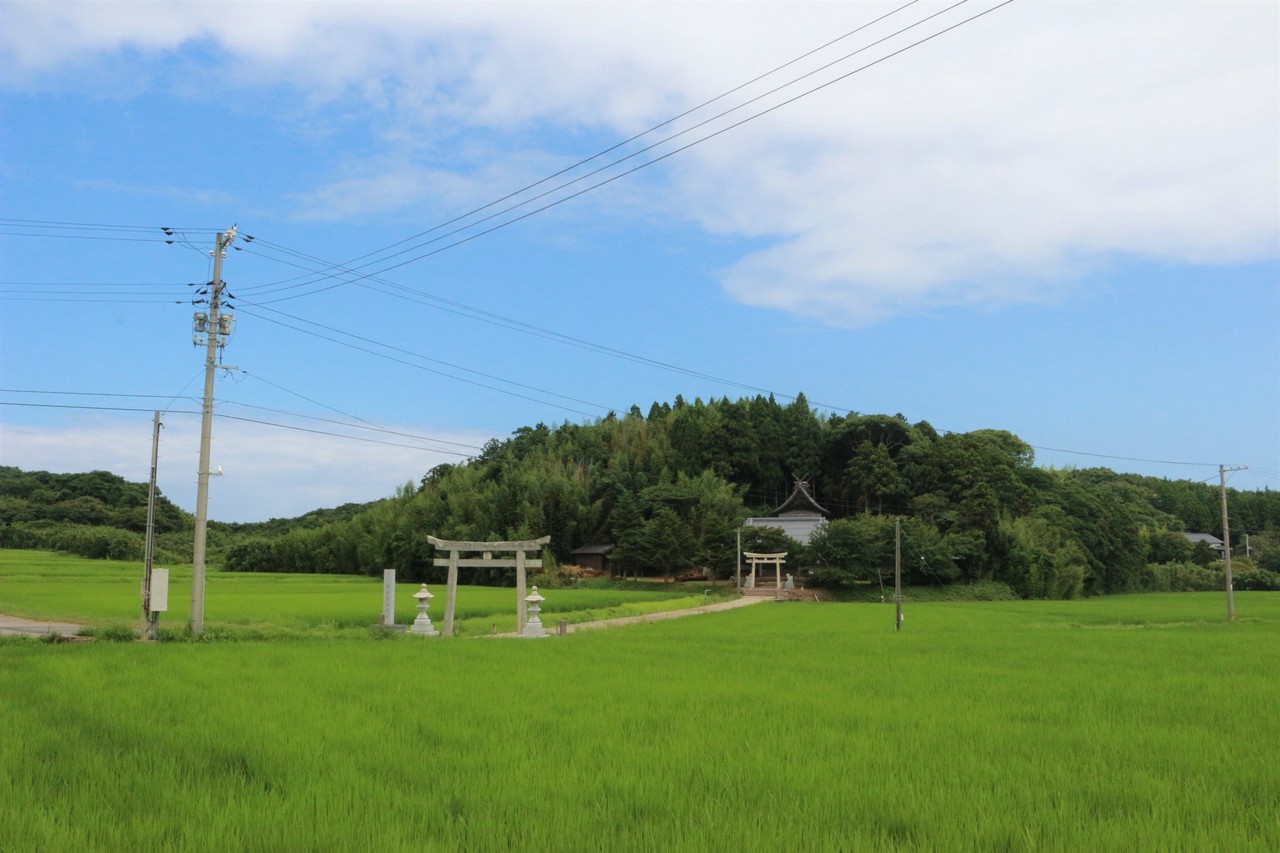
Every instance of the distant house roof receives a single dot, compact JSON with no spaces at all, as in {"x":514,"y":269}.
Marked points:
{"x":800,"y":502}
{"x":798,"y":527}
{"x":594,"y":549}
{"x":1212,"y":541}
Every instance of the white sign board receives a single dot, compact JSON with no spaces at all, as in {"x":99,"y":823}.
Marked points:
{"x":159,"y":590}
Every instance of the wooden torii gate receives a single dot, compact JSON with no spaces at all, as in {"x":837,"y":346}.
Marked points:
{"x":487,"y":550}
{"x":775,"y":559}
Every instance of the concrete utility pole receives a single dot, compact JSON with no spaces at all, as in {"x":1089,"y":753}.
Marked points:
{"x":897,"y":572}
{"x":1226,"y":539}
{"x":149,"y":617}
{"x":216,"y":328}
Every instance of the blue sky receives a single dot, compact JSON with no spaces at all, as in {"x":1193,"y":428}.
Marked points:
{"x":1060,"y":219}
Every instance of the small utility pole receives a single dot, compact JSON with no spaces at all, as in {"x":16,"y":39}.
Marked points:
{"x":216,"y":328}
{"x":737,"y":572}
{"x":1226,"y":539}
{"x":149,"y":617}
{"x":897,"y":572}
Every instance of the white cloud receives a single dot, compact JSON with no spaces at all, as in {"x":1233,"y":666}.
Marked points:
{"x":981,"y":168}
{"x":267,"y":472}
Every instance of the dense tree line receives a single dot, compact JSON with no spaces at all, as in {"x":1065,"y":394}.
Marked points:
{"x":670,"y":489}
{"x":96,"y":514}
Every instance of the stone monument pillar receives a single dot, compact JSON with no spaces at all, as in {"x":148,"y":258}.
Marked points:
{"x":388,"y":598}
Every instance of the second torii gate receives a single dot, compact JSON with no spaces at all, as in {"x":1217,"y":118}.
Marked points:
{"x":487,"y":549}
{"x":776,"y":559}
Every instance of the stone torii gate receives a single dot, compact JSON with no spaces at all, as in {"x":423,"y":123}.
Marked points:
{"x":487,"y":550}
{"x":775,"y":559}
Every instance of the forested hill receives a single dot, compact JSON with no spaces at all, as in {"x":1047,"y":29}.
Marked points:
{"x":94,"y":514}
{"x":671,"y":487}
{"x":97,"y":498}
{"x":102,"y":515}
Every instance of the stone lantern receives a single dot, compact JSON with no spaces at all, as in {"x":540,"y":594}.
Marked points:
{"x":533,"y":605}
{"x":422,"y":625}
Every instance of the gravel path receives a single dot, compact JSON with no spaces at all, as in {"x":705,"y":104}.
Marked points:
{"x":551,"y":624}
{"x":35,"y":627}
{"x":668,"y":614}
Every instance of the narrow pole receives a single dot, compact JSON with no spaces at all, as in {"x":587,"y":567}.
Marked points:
{"x":522,"y":612}
{"x":737,"y":572}
{"x":450,"y":594}
{"x":1226,"y":541}
{"x":149,"y":618}
{"x":196,"y":622}
{"x":897,"y":573}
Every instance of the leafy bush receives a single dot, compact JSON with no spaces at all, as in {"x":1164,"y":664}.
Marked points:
{"x":1256,"y":579}
{"x":114,"y":633}
{"x":1182,"y":577}
{"x":95,"y":543}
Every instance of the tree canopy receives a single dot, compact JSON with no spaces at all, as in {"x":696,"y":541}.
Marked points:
{"x":671,"y":489}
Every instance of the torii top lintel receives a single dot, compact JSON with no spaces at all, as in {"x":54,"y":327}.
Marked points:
{"x":519,"y":545}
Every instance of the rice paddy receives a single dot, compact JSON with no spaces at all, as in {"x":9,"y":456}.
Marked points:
{"x":42,"y":585}
{"x":1128,"y":723}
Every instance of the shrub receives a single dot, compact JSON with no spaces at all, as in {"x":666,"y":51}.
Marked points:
{"x":1256,"y":579}
{"x":115,"y":633}
{"x":1182,"y":577}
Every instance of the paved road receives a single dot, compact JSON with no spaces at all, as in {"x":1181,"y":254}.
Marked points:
{"x":16,"y":625}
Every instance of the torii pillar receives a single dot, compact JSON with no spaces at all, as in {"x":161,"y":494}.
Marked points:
{"x":487,"y":550}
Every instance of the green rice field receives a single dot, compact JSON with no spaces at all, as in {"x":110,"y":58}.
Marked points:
{"x":43,"y":585}
{"x":1127,"y":723}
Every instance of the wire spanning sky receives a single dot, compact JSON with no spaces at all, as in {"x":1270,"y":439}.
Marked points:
{"x":1056,"y":218}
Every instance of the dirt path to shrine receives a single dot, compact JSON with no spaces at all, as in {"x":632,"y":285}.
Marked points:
{"x":551,"y":624}
{"x":36,"y":627}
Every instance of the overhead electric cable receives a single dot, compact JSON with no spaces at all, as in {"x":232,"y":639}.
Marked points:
{"x":364,"y":276}
{"x":348,"y":437}
{"x":99,"y":226}
{"x":1123,"y":458}
{"x":431,"y":370}
{"x":245,"y":420}
{"x":349,"y":425}
{"x":87,"y":237}
{"x":624,"y":142}
{"x":355,"y":270}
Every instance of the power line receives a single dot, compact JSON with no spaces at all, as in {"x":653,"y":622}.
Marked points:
{"x":87,"y":237}
{"x":1123,"y":458}
{"x":616,"y":146}
{"x":427,"y":358}
{"x":94,"y":284}
{"x":352,"y":270}
{"x":355,"y":276}
{"x":363,"y":426}
{"x":355,"y":271}
{"x":90,"y":299}
{"x":87,"y":394}
{"x":237,"y":418}
{"x":96,"y":226}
